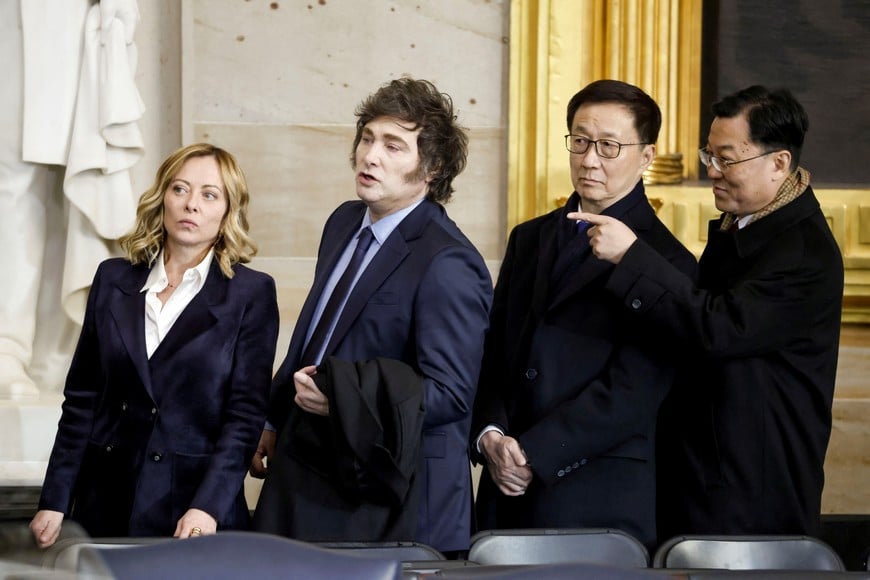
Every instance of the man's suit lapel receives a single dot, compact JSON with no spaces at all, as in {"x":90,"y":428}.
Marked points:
{"x":325,"y":265}
{"x":385,"y":262}
{"x":127,"y":308}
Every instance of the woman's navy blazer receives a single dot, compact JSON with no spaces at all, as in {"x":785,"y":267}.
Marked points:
{"x":140,"y":441}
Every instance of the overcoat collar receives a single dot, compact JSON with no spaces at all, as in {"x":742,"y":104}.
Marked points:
{"x":634,"y":210}
{"x":758,"y":234}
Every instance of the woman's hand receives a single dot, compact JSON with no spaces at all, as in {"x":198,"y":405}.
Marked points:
{"x":45,"y":526}
{"x":195,"y":523}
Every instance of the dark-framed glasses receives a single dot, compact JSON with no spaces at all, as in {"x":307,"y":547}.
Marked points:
{"x":606,"y":148}
{"x":721,"y":165}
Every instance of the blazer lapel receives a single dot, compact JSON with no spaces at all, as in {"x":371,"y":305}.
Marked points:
{"x":128,"y":310}
{"x":197,"y":317}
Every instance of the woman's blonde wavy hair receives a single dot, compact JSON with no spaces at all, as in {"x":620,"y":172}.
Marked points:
{"x":233,"y":244}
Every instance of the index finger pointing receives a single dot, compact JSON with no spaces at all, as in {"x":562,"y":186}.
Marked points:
{"x":592,"y":218}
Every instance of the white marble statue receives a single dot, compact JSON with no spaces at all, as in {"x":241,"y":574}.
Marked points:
{"x":68,"y":137}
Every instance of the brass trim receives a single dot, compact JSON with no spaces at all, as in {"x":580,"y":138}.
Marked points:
{"x":558,"y":46}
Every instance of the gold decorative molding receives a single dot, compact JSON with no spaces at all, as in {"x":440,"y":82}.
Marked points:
{"x":666,"y":169}
{"x":559,"y":46}
{"x":686,"y":210}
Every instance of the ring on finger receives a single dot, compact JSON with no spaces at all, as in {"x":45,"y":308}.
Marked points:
{"x":196,"y":531}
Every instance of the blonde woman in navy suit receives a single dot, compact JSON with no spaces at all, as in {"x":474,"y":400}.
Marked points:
{"x":166,"y":394}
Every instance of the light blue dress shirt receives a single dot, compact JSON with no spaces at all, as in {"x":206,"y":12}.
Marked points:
{"x":381,"y":230}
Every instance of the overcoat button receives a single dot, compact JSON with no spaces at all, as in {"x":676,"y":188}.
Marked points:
{"x":157,"y":457}
{"x":531,"y":374}
{"x":636,"y":303}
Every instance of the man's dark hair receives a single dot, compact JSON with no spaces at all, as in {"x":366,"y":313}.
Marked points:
{"x":776,"y":119}
{"x":442,"y":143}
{"x":647,"y":115}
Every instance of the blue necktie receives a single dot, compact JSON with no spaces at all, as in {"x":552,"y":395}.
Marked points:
{"x":339,"y":294}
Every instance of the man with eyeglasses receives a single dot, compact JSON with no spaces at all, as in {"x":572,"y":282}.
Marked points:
{"x":565,"y":415}
{"x":743,"y":438}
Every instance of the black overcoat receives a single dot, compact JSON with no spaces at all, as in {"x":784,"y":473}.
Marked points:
{"x":569,"y":374}
{"x":744,"y":434}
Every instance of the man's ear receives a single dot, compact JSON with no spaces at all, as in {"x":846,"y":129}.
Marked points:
{"x":782,"y":163}
{"x":647,"y":155}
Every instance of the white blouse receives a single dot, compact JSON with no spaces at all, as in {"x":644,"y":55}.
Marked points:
{"x":160,"y":317}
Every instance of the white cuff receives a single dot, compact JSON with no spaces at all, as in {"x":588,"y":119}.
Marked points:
{"x":484,"y":431}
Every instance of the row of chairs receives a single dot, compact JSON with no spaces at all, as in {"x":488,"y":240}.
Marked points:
{"x":687,"y":552}
{"x":592,"y":553}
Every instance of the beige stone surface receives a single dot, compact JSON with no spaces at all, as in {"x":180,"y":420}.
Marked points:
{"x":295,"y":62}
{"x":158,"y":78}
{"x":847,"y":466}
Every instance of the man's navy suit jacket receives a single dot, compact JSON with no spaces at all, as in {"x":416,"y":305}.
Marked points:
{"x":140,"y":441}
{"x":424,"y":300}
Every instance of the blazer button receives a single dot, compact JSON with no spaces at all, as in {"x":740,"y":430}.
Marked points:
{"x":153,"y":411}
{"x":124,"y":406}
{"x":531,"y":374}
{"x":561,"y":473}
{"x":109,"y":448}
{"x":157,"y":457}
{"x":636,"y":304}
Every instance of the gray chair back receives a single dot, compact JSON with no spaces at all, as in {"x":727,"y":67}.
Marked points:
{"x":64,"y":554}
{"x":747,"y":553}
{"x":545,"y":546}
{"x":233,"y":555}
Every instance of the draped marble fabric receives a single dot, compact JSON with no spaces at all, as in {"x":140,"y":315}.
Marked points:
{"x":65,"y":192}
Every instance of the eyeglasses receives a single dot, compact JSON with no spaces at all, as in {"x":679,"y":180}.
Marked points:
{"x":606,"y":148}
{"x":721,"y":165}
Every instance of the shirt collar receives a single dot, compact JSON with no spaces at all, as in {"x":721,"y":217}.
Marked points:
{"x":158,"y":280}
{"x":742,"y":222}
{"x":385,"y":226}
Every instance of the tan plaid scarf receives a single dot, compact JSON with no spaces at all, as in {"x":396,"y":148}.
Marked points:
{"x":794,"y":185}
